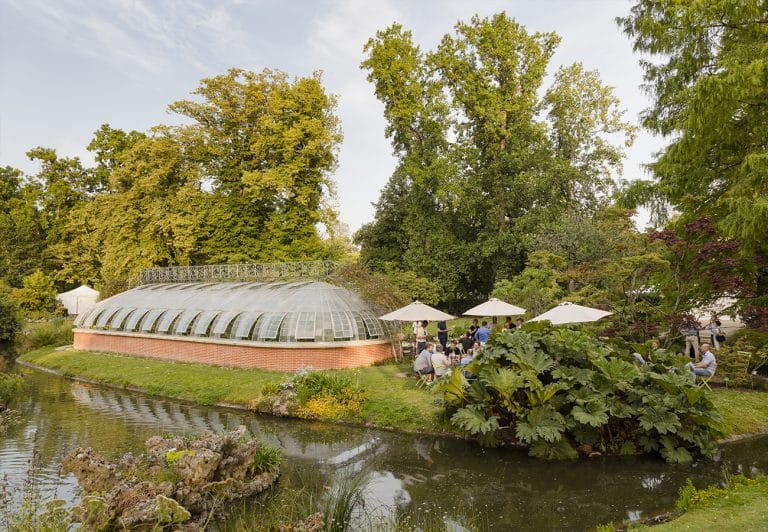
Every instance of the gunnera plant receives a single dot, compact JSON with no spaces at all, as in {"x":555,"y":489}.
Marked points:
{"x":560,"y":391}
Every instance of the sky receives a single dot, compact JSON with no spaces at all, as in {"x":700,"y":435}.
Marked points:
{"x":68,"y":66}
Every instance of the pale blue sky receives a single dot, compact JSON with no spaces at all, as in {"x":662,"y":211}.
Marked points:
{"x":68,"y":66}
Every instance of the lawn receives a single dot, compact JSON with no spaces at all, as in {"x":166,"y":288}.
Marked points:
{"x":743,"y":507}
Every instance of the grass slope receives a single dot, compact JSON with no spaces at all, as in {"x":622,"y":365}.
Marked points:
{"x":392,"y":400}
{"x":743,"y":507}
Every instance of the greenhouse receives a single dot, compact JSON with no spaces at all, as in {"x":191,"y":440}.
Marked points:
{"x":307,"y":315}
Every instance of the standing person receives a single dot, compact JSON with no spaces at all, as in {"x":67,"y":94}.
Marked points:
{"x":442,"y":334}
{"x":423,"y":363}
{"x":519,"y":323}
{"x":473,"y":328}
{"x":421,"y":336}
{"x":691,"y":333}
{"x":440,"y":363}
{"x":707,"y":366}
{"x":715,"y":332}
{"x":483,"y":334}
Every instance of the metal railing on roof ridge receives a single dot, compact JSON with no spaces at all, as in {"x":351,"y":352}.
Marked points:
{"x":263,"y":272}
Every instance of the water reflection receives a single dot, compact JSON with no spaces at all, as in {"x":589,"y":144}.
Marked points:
{"x":408,"y":475}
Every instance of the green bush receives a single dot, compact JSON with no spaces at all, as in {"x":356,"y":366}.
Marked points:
{"x":37,"y":298}
{"x":557,"y":390}
{"x":56,"y":332}
{"x":10,"y":321}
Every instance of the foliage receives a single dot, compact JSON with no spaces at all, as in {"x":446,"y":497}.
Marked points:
{"x":485,"y":153}
{"x":557,"y":389}
{"x":37,"y":297}
{"x":327,"y":395}
{"x":376,"y":288}
{"x":267,"y":459}
{"x":10,"y":321}
{"x":707,"y":78}
{"x":539,"y":285}
{"x":56,"y":332}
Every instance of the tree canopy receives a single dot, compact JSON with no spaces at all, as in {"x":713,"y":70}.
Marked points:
{"x":485,"y":153}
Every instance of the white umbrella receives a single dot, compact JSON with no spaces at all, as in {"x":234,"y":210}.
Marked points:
{"x":416,"y":311}
{"x":495,"y":307}
{"x":571,"y":313}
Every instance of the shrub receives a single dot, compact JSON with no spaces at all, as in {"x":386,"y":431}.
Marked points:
{"x":327,"y":395}
{"x":557,"y":390}
{"x":10,"y":321}
{"x":38,"y":296}
{"x":56,"y":332}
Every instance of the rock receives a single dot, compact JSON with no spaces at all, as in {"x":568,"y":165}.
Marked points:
{"x":93,"y":472}
{"x":178,"y":483}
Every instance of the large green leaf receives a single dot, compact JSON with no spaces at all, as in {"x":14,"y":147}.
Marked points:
{"x":543,"y":395}
{"x":541,"y":423}
{"x":505,"y":381}
{"x":674,"y":453}
{"x":619,"y":372}
{"x":594,"y":413}
{"x":573,"y":374}
{"x":453,"y":389}
{"x":474,"y":421}
{"x":536,"y":361}
{"x":557,"y":450}
{"x":663,"y":421}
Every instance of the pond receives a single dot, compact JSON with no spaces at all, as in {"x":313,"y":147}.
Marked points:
{"x":405,"y":475}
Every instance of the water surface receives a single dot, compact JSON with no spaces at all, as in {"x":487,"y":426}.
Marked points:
{"x":405,"y":474}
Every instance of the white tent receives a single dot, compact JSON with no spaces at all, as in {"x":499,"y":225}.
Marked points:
{"x":416,"y":311}
{"x":568,"y":312}
{"x":495,"y":307}
{"x":79,"y":300}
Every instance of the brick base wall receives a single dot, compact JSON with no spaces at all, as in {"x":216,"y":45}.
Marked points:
{"x":236,"y":354}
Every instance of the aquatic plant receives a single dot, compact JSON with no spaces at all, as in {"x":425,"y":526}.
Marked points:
{"x":560,"y":391}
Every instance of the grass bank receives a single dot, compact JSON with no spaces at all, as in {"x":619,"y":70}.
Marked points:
{"x":392,"y":401}
{"x":743,"y":506}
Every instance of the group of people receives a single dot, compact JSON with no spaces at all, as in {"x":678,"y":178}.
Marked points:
{"x":704,"y":366}
{"x":435,"y":360}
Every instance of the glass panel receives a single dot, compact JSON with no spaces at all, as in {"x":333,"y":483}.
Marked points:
{"x":222,"y":322}
{"x":287,"y":331}
{"x":305,"y":326}
{"x":342,"y":325}
{"x":202,"y":323}
{"x":133,"y":319}
{"x":104,"y":317}
{"x":167,"y":320}
{"x":91,"y":318}
{"x":119,"y":318}
{"x":359,"y":328}
{"x":269,"y":325}
{"x":182,"y":326}
{"x":372,"y":324}
{"x":243,"y":324}
{"x":149,"y":321}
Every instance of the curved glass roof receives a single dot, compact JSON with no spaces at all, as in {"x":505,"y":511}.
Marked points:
{"x":263,"y":312}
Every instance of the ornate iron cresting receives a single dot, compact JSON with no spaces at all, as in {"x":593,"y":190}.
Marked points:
{"x":263,"y":272}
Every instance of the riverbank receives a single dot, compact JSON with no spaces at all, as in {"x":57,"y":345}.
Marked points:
{"x":393,"y":401}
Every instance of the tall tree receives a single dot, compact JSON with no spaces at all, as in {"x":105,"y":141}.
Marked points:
{"x":707,"y":76}
{"x":478,"y":166}
{"x":268,"y":147}
{"x":22,"y":229}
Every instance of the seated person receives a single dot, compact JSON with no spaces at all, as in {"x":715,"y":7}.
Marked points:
{"x":454,"y":349}
{"x":707,"y":366}
{"x":441,"y":363}
{"x":423,"y":363}
{"x":466,"y":341}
